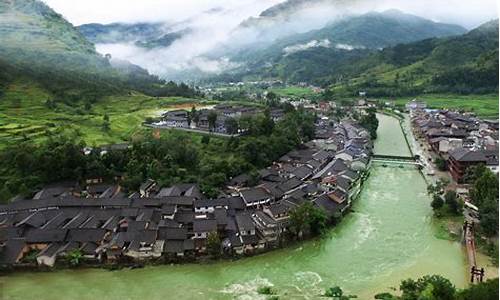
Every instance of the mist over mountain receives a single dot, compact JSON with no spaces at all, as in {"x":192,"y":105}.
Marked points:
{"x":368,"y":31}
{"x":466,"y":63}
{"x":121,"y":32}
{"x":223,"y":36}
{"x":38,"y":45}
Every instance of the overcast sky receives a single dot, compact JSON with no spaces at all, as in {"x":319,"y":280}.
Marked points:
{"x":108,"y":11}
{"x":468,"y":13}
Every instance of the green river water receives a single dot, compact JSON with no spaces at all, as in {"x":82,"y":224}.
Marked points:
{"x":388,"y":237}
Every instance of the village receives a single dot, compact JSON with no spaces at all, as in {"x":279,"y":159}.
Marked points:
{"x":455,"y":141}
{"x":107,"y":225}
{"x":101,"y":224}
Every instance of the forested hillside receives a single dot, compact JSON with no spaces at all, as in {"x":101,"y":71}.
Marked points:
{"x":38,"y":44}
{"x":464,"y":64}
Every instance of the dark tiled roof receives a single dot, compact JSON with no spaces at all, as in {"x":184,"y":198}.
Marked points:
{"x":290,"y":185}
{"x":244,"y":222}
{"x":203,"y":225}
{"x":211,"y":203}
{"x":172,"y":233}
{"x":255,"y":195}
{"x":236,"y":203}
{"x":46,"y":235}
{"x":466,"y":155}
{"x":11,"y":251}
{"x":86,"y":235}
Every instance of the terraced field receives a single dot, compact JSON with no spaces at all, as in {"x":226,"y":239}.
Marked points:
{"x":24,"y":114}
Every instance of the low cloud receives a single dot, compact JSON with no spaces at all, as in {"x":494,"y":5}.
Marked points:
{"x":348,"y":47}
{"x":214,"y":25}
{"x":302,"y":47}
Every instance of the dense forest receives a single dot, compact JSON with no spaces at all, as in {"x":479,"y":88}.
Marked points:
{"x":175,"y":157}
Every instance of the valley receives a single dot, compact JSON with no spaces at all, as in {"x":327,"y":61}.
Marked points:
{"x":249,"y":149}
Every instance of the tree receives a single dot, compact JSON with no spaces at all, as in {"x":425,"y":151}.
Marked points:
{"x":231,"y":125}
{"x":214,"y":244}
{"x":437,"y":188}
{"x":105,"y":123}
{"x":437,"y":202}
{"x":272,"y":99}
{"x":484,"y":194}
{"x":436,"y":287}
{"x":205,"y":139}
{"x":485,"y":187}
{"x":337,"y":293}
{"x":370,"y":123}
{"x":266,"y":124}
{"x":487,"y":290}
{"x":307,"y":219}
{"x":433,"y":287}
{"x":453,"y":202}
{"x":212,"y":119}
{"x":440,"y":164}
{"x":87,"y":105}
{"x":193,"y":116}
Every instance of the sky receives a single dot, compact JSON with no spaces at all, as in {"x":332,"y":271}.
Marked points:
{"x":108,"y":11}
{"x":467,"y":13}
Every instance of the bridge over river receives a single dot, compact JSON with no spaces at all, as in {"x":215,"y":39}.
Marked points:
{"x":396,"y":159}
{"x":390,"y":236}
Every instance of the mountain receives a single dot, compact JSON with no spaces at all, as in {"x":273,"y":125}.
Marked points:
{"x":286,"y":19}
{"x":164,"y":40}
{"x":121,"y":32}
{"x":39,"y":45}
{"x":466,"y":63}
{"x":378,"y":30}
{"x":303,"y":57}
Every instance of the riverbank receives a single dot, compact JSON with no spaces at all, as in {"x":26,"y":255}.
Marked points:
{"x":449,"y":226}
{"x":388,"y":237}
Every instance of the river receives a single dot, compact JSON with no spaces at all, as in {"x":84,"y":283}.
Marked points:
{"x":388,"y":237}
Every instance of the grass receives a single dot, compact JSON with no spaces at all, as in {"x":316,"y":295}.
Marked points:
{"x":24,"y":115}
{"x":485,"y":106}
{"x":448,"y":226}
{"x":293,"y":91}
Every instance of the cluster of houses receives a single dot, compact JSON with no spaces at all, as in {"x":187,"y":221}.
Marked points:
{"x":460,"y":139}
{"x":104,"y":225}
{"x":223,"y":117}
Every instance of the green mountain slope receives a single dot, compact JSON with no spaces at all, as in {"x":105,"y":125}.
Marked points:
{"x":462,"y":64}
{"x":348,"y":38}
{"x":378,"y":30}
{"x":466,"y":63}
{"x":39,"y":44}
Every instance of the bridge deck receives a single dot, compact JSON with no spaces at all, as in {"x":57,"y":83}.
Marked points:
{"x":470,"y":246}
{"x":394,"y":157}
{"x":400,"y":162}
